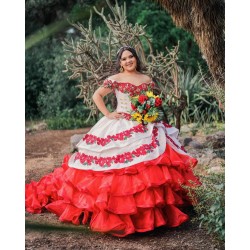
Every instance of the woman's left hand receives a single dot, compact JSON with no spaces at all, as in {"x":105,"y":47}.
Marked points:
{"x":114,"y":115}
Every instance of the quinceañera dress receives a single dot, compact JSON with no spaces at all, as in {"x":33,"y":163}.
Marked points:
{"x":126,"y":177}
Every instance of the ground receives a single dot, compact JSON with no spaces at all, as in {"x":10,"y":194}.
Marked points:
{"x":44,"y":150}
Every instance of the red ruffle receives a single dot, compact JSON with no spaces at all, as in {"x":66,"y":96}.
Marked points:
{"x":118,"y":201}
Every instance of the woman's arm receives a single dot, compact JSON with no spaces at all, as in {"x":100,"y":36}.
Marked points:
{"x":98,"y":100}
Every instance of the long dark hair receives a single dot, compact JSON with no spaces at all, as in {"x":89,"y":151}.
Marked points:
{"x":132,"y":50}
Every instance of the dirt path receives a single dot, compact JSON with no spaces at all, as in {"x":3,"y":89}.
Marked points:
{"x":44,"y":152}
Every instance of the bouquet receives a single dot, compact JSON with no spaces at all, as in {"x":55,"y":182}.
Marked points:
{"x":146,"y":107}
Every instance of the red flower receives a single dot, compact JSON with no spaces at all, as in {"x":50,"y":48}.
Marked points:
{"x":158,"y":102}
{"x":121,"y":158}
{"x":144,"y":112}
{"x":133,"y":106}
{"x":142,"y":99}
{"x":147,"y":106}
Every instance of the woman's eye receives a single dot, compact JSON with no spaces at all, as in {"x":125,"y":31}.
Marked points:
{"x":124,"y":59}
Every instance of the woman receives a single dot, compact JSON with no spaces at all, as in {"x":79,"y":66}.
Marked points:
{"x":126,"y":177}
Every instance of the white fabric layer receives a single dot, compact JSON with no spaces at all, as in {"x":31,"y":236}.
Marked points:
{"x":107,"y":127}
{"x":117,"y":139}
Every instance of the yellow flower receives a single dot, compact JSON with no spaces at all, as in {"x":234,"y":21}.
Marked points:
{"x":137,"y":115}
{"x":150,"y":94}
{"x":139,"y":119}
{"x":152,"y":118}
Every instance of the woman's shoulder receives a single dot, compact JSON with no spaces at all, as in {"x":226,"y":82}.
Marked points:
{"x":115,"y":77}
{"x":110,"y":82}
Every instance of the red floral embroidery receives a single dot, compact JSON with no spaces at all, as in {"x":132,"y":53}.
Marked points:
{"x":109,"y":84}
{"x":182,"y":147}
{"x":166,"y":125}
{"x":91,"y":139}
{"x":169,"y":126}
{"x":126,"y":87}
{"x":122,"y":158}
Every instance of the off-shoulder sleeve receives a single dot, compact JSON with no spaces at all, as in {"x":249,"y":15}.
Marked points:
{"x":107,"y":83}
{"x":152,"y":84}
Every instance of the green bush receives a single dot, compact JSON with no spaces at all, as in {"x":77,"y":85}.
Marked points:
{"x":34,"y":80}
{"x":202,"y":107}
{"x":209,"y":203}
{"x":69,"y":119}
{"x":47,"y":88}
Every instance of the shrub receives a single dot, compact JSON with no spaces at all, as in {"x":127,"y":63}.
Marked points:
{"x":47,"y":89}
{"x":74,"y":118}
{"x":209,"y":203}
{"x":202,"y":106}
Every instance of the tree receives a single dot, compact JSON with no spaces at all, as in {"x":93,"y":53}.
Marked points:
{"x":51,"y":17}
{"x":163,"y":32}
{"x":205,"y":20}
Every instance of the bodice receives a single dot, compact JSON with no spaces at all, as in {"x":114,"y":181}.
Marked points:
{"x":123,"y":102}
{"x":123,"y":92}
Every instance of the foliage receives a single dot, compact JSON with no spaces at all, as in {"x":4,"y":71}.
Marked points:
{"x":46,"y":88}
{"x":45,"y":12}
{"x":34,"y":78}
{"x":69,"y":119}
{"x":209,"y":199}
{"x":60,"y":92}
{"x":214,"y":87}
{"x":47,"y":91}
{"x":164,"y":33}
{"x":202,"y":107}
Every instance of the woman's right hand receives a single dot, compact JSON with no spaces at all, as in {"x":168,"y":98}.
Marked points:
{"x":114,"y":115}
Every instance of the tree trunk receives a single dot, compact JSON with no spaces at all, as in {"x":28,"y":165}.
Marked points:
{"x":177,"y":110}
{"x":177,"y":115}
{"x":205,"y":20}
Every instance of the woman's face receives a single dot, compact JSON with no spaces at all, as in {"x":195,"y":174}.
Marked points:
{"x":128,"y":61}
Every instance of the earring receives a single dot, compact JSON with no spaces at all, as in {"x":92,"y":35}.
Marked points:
{"x":121,"y":69}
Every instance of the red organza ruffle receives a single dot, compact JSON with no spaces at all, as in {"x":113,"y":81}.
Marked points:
{"x":120,"y":201}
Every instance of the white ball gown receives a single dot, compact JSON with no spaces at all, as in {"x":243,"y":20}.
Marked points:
{"x":125,"y":177}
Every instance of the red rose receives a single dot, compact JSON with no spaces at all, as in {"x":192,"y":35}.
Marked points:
{"x":142,"y":99}
{"x":144,"y":112}
{"x":147,"y":106}
{"x":133,"y":106}
{"x":158,"y":102}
